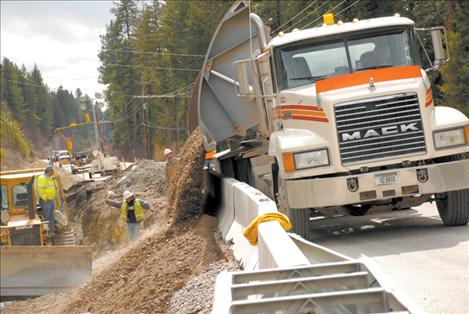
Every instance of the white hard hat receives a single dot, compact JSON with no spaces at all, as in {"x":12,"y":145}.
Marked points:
{"x":127,"y":194}
{"x":167,"y":151}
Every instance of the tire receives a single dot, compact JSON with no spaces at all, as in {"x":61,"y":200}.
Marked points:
{"x":299,"y":219}
{"x":453,"y":206}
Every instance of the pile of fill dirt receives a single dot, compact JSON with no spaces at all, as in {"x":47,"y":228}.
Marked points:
{"x":170,"y":269}
{"x":185,"y":199}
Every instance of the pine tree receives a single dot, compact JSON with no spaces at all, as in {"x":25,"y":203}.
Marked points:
{"x":456,"y":73}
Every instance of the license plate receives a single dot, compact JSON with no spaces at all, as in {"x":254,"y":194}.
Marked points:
{"x":387,"y":179}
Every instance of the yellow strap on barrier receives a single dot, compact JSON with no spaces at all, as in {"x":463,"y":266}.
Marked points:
{"x":250,"y":232}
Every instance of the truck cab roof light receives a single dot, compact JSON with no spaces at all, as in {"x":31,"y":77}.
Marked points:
{"x":328,"y":19}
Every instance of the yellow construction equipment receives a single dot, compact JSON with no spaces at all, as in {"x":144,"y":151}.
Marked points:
{"x":31,"y":262}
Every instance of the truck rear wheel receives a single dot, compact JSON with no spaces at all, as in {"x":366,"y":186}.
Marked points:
{"x":453,"y":206}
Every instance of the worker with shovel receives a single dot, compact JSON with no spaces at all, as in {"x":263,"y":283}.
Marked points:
{"x":131,"y":212}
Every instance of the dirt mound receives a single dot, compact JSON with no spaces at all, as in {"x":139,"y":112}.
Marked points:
{"x":144,"y":279}
{"x":185,"y":199}
{"x":147,"y":175}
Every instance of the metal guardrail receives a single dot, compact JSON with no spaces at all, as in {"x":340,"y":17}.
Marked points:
{"x":338,"y":287}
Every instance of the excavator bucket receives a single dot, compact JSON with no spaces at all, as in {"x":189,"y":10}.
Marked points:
{"x":36,"y":270}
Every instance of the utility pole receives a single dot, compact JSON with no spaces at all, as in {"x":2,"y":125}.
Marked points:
{"x":96,"y":132}
{"x":177,"y":123}
{"x":145,"y":128}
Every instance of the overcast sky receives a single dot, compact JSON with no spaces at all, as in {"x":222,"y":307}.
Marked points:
{"x":61,"y":37}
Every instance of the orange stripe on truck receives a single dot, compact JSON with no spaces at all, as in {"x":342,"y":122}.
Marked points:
{"x":429,"y":98}
{"x":309,"y":118}
{"x":360,"y":78}
{"x":300,"y":107}
{"x":307,"y":113}
{"x":298,"y":112}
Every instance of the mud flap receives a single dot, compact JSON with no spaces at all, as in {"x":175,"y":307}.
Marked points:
{"x":34,"y":271}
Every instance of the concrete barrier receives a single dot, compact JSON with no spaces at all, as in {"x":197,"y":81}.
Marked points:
{"x":239,"y":206}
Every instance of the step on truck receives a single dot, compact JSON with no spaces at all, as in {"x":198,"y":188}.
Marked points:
{"x":333,"y":120}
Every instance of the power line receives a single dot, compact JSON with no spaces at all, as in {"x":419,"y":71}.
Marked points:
{"x":153,"y":68}
{"x":348,"y":7}
{"x":154,"y":126}
{"x":332,"y":11}
{"x":159,"y":96}
{"x":124,"y":113}
{"x":309,"y":13}
{"x":294,"y":16}
{"x":182,"y":92}
{"x":158,"y":53}
{"x":29,"y":84}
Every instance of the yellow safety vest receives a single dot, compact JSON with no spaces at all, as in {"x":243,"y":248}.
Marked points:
{"x":46,"y":187}
{"x":138,"y":211}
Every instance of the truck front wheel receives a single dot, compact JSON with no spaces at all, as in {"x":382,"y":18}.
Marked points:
{"x":453,"y":206}
{"x":299,"y":217}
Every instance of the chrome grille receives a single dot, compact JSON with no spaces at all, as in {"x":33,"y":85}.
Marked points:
{"x":379,"y":128}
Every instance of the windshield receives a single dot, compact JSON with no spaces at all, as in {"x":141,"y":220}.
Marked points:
{"x":304,"y":64}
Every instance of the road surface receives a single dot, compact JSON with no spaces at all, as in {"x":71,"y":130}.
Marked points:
{"x":423,"y":259}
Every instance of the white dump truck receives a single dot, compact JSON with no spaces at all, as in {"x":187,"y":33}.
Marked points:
{"x":333,"y":120}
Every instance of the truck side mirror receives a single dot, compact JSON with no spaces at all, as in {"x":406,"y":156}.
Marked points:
{"x":437,"y":46}
{"x":441,"y":55}
{"x":243,"y":71}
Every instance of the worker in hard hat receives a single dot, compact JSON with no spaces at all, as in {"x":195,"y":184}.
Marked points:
{"x":168,"y":154}
{"x":132,"y":212}
{"x":170,"y":163}
{"x":47,"y":191}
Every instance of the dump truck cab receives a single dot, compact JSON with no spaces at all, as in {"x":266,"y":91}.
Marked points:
{"x":333,"y":120}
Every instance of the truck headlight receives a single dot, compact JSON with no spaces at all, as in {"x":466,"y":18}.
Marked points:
{"x":450,"y":138}
{"x":311,"y":159}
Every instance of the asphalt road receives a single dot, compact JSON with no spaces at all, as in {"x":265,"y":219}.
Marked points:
{"x":422,"y":259}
